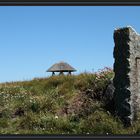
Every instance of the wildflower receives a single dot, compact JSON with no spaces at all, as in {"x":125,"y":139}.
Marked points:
{"x":108,"y":112}
{"x":56,"y":117}
{"x":31,"y":101}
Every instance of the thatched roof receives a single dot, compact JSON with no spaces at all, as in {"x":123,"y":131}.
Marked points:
{"x":61,"y":67}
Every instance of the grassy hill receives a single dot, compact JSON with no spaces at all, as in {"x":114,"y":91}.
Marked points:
{"x":60,"y":105}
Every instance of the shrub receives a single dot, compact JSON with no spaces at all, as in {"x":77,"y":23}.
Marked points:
{"x":59,"y":105}
{"x":4,"y":123}
{"x":101,"y":123}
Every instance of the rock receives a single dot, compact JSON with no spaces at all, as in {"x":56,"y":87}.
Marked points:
{"x":108,"y":97}
{"x":109,"y":92}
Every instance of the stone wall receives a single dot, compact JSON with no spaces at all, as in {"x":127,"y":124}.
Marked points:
{"x":127,"y":73}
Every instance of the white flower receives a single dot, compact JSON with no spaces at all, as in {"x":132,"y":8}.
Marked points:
{"x":31,"y":101}
{"x":56,"y":117}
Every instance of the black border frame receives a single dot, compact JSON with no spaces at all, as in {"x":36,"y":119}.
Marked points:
{"x":70,"y":3}
{"x":78,"y":137}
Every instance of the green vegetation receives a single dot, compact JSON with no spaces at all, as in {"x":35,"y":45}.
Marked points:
{"x":59,"y":105}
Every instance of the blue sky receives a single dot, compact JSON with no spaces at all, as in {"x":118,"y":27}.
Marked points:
{"x":34,"y":38}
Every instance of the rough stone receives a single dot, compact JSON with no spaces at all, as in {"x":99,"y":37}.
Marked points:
{"x":108,"y":97}
{"x":127,"y":74}
{"x":109,"y":92}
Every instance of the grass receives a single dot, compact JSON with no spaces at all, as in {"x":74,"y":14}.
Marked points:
{"x":60,"y":105}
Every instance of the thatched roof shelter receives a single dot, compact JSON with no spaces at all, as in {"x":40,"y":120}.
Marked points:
{"x":61,"y":67}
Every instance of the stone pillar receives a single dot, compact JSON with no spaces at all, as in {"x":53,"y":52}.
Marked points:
{"x":127,"y":74}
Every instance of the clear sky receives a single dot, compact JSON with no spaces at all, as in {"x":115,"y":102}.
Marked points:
{"x":34,"y":38}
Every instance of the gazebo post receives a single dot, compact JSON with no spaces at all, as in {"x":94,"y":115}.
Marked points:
{"x":53,"y":73}
{"x":69,"y":73}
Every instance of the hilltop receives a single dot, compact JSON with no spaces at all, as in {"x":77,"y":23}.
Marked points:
{"x":65,"y":104}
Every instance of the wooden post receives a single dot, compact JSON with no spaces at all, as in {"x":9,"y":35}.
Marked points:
{"x":53,"y":73}
{"x":69,"y":73}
